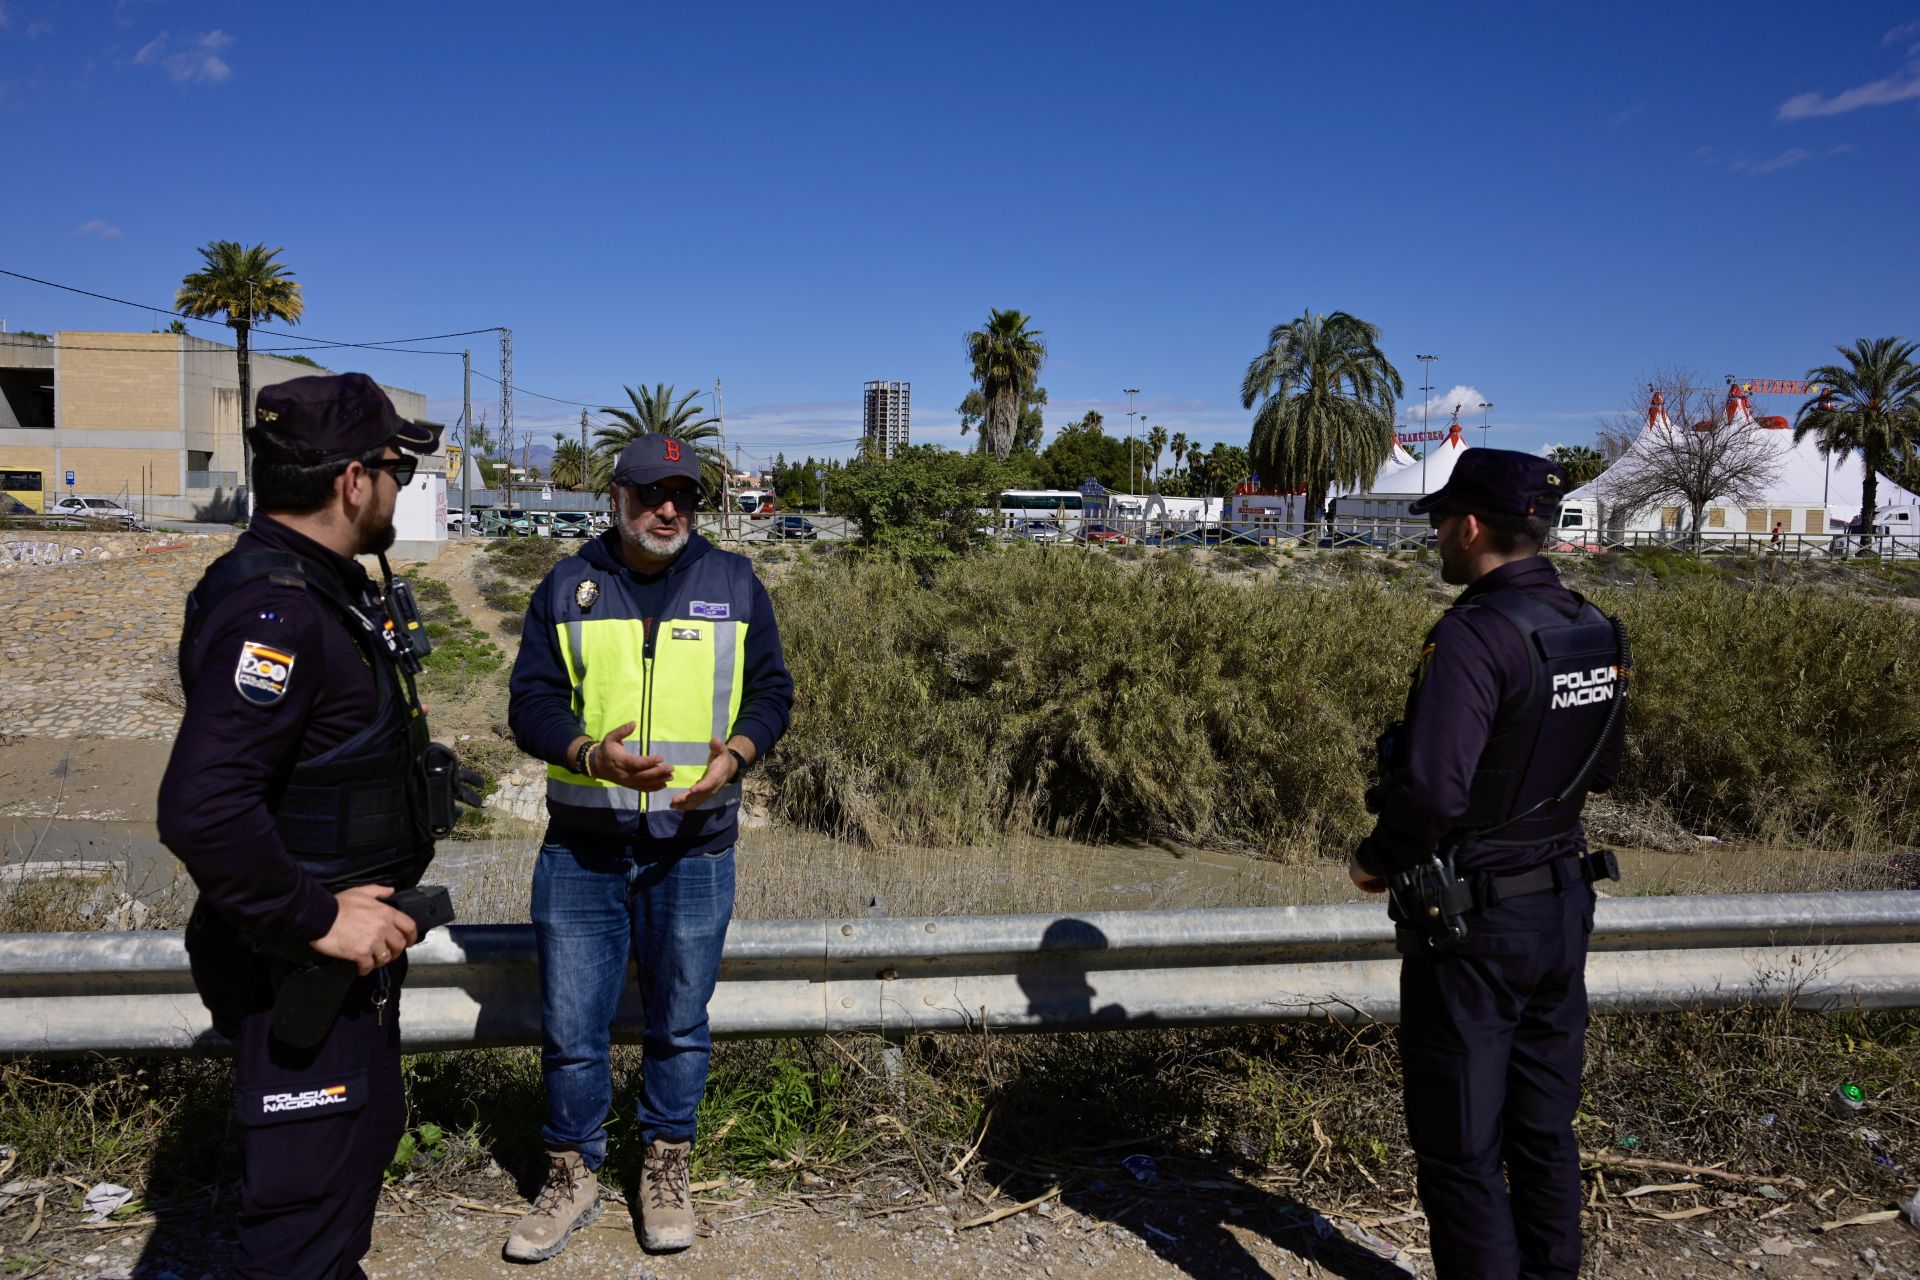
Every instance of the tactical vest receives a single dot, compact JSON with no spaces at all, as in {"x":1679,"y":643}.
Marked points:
{"x":1533,"y":754}
{"x":678,"y":677}
{"x":356,"y":813}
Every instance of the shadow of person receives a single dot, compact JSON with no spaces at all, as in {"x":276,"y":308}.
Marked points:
{"x":1080,"y":1126}
{"x":192,"y":1185}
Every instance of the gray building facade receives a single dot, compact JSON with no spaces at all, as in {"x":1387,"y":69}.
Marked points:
{"x":886,"y":413}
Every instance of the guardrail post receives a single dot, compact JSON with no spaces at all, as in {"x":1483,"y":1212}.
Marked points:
{"x":893,"y":1056}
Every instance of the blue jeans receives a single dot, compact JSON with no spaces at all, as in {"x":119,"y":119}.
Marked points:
{"x":597,"y":901}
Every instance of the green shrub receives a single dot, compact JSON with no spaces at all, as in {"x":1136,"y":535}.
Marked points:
{"x":1026,"y":690}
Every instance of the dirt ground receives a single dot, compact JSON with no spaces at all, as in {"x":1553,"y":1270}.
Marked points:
{"x":1640,"y":1223}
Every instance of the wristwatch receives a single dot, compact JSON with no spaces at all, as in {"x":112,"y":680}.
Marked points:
{"x":739,"y":760}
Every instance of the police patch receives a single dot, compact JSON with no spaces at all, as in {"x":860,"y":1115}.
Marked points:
{"x":262,"y":673}
{"x":586,"y":593}
{"x":702,"y":609}
{"x":686,"y":633}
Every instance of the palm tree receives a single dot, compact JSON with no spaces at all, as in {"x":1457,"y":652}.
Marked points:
{"x":1092,"y":423}
{"x":1581,"y":463}
{"x":246,"y":283}
{"x":1179,"y":448}
{"x":1156,"y":441}
{"x":569,"y":465}
{"x":1006,"y":358}
{"x":1872,"y":404}
{"x":1326,"y":393}
{"x":657,"y":412}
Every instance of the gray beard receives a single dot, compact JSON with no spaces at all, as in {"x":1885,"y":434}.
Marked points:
{"x":646,"y":545}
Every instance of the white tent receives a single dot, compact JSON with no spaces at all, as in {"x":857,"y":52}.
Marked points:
{"x":1405,"y":478}
{"x":1810,"y":493}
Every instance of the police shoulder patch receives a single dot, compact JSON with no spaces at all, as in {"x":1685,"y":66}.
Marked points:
{"x":263,"y":672}
{"x":586,"y":593}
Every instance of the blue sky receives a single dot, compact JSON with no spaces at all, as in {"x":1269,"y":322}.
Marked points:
{"x":1553,"y":199}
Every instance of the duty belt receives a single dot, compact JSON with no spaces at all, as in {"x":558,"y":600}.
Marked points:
{"x":1491,"y":890}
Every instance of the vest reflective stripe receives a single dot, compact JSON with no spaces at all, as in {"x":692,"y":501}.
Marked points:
{"x":588,"y":794}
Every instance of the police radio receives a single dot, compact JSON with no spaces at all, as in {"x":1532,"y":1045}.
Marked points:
{"x":405,"y":632}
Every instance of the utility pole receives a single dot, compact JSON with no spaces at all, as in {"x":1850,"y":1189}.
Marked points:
{"x":1426,"y":394}
{"x":584,"y":483}
{"x":726,"y":477}
{"x":466,"y":439}
{"x":506,"y":408}
{"x":1484,"y":406}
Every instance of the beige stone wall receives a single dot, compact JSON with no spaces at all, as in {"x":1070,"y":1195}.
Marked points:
{"x":101,"y":472}
{"x":121,"y":389}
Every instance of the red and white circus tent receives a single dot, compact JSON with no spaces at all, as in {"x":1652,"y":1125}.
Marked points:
{"x":1405,"y":478}
{"x":1810,"y":493}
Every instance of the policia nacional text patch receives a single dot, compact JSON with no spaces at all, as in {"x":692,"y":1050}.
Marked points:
{"x":262,"y":673}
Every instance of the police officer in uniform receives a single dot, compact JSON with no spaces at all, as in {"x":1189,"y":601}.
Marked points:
{"x":294,"y":799}
{"x":1514,"y":715}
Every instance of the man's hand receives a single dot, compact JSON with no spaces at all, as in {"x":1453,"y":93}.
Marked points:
{"x":616,"y":764}
{"x":366,"y":931}
{"x":721,"y":766}
{"x":1363,"y":878}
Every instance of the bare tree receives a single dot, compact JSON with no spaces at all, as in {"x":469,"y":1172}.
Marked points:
{"x":1680,"y":448}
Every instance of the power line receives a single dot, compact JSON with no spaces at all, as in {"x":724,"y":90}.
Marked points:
{"x":522,"y":391}
{"x":384,"y":344}
{"x":8,"y":340}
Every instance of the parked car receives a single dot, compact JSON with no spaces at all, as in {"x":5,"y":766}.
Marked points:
{"x":1100,"y":533}
{"x":1037,"y":531}
{"x":792,"y":527}
{"x":90,"y":509}
{"x":572,"y":524}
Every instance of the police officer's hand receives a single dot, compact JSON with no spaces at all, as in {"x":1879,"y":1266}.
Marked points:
{"x":367,"y":931}
{"x":616,"y":764}
{"x":721,"y":766}
{"x":1364,"y":878}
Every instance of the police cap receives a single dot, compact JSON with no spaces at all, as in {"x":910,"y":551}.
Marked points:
{"x":1499,"y":482}
{"x":331,"y":417}
{"x":652,"y":458}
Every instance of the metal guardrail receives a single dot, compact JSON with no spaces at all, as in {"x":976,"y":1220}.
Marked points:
{"x":473,"y":986}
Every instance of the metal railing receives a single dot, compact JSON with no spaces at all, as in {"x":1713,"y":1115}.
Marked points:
{"x":477,"y":985}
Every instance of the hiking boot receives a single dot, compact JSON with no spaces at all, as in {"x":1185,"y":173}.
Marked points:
{"x":666,"y":1203}
{"x":570,"y":1199}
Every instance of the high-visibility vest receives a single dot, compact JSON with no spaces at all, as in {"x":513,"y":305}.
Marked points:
{"x":677,"y":678}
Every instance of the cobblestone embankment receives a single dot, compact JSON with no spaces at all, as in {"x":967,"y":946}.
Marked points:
{"x":87,"y":640}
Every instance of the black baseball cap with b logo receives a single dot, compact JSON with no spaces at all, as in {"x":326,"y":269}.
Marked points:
{"x":1499,"y":482}
{"x":653,"y":458}
{"x":331,"y":417}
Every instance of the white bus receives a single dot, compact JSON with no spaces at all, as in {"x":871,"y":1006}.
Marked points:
{"x":1061,"y":507}
{"x":754,"y":502}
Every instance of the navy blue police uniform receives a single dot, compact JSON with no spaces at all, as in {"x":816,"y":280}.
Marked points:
{"x":1508,"y":725}
{"x":293,"y":777}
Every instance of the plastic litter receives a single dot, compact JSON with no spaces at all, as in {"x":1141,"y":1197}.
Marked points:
{"x":1846,"y":1099}
{"x":1768,"y":1120}
{"x":1772,"y":1192}
{"x":1911,"y":1207}
{"x":1629,"y":1143}
{"x":1142,"y":1168}
{"x":1884,"y":1161}
{"x":104,"y":1198}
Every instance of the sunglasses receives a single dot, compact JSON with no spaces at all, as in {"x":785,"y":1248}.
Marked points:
{"x":654,"y":495}
{"x":402,"y":467}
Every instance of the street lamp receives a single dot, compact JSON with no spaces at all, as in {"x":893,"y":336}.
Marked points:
{"x":1130,"y":393}
{"x":1484,"y":406}
{"x":1426,"y":395}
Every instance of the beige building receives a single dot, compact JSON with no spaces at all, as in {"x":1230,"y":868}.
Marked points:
{"x":133,"y":415}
